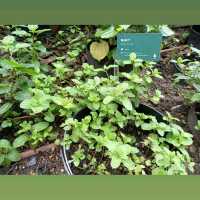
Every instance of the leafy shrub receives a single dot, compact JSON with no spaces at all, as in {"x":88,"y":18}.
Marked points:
{"x":112,"y":136}
{"x":29,"y":90}
{"x":9,"y":152}
{"x":37,"y":99}
{"x":191,"y":75}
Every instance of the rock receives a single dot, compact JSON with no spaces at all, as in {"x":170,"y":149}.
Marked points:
{"x":31,"y":162}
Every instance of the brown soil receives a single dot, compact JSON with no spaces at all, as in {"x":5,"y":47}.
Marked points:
{"x":46,"y":163}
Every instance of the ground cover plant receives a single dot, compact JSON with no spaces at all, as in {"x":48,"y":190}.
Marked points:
{"x":63,"y":85}
{"x":113,"y":137}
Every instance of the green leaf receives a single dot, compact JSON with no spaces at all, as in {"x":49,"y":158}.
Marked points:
{"x":76,"y":162}
{"x":42,"y":31}
{"x":148,"y":126}
{"x":37,"y":103}
{"x":14,"y":155}
{"x":5,"y":144}
{"x":20,"y":141}
{"x":106,"y":33}
{"x":124,"y":26}
{"x":2,"y":158}
{"x":33,"y":28}
{"x":4,"y":88}
{"x":6,"y":123}
{"x":40,"y":126}
{"x":5,"y":107}
{"x":58,"y":100}
{"x":159,"y":171}
{"x":195,"y":97}
{"x":19,"y":67}
{"x":115,"y":162}
{"x":129,"y":164}
{"x":20,"y":33}
{"x":162,"y":160}
{"x":21,"y":45}
{"x":127,"y":103}
{"x":108,"y":99}
{"x":8,"y":40}
{"x":49,"y":117}
{"x":22,"y":95}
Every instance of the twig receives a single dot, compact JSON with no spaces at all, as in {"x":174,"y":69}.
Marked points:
{"x":174,"y":48}
{"x":29,"y":153}
{"x":48,"y":60}
{"x":23,"y":117}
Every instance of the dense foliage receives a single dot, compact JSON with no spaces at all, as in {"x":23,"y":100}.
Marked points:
{"x":40,"y":101}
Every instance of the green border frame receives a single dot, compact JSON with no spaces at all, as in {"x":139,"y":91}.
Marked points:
{"x":99,"y":187}
{"x":99,"y":12}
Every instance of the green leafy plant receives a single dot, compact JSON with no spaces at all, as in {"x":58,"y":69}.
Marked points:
{"x":115,"y":136}
{"x":9,"y":152}
{"x":191,"y":74}
{"x":39,"y":98}
{"x":29,"y":92}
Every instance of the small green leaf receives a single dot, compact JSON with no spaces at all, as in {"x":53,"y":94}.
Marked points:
{"x":20,"y":33}
{"x":195,"y":97}
{"x":115,"y":162}
{"x":127,"y":103}
{"x":106,"y":33}
{"x":4,"y":88}
{"x":108,"y":99}
{"x":2,"y":158}
{"x":33,"y":28}
{"x":21,"y":45}
{"x":22,"y":95}
{"x":6,"y":123}
{"x":129,"y":164}
{"x":40,"y":126}
{"x":49,"y":117}
{"x":5,"y":107}
{"x":14,"y":155}
{"x":148,"y":126}
{"x":20,"y":141}
{"x":8,"y":40}
{"x":159,"y":171}
{"x":19,"y":67}
{"x":37,"y":103}
{"x":5,"y":144}
{"x":76,"y":162}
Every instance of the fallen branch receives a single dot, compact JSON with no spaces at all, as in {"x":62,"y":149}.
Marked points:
{"x":174,"y":48}
{"x":29,"y":153}
{"x":23,"y":117}
{"x":48,"y":60}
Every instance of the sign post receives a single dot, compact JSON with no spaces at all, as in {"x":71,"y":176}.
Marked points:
{"x":145,"y":45}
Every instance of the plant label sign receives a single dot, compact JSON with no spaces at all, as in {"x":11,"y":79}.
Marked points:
{"x":145,"y":45}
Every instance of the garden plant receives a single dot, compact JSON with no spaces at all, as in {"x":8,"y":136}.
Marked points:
{"x":66,"y":87}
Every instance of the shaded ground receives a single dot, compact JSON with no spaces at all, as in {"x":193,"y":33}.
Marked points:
{"x":46,"y":163}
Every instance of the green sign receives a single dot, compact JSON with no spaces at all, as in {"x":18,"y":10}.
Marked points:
{"x":145,"y":45}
